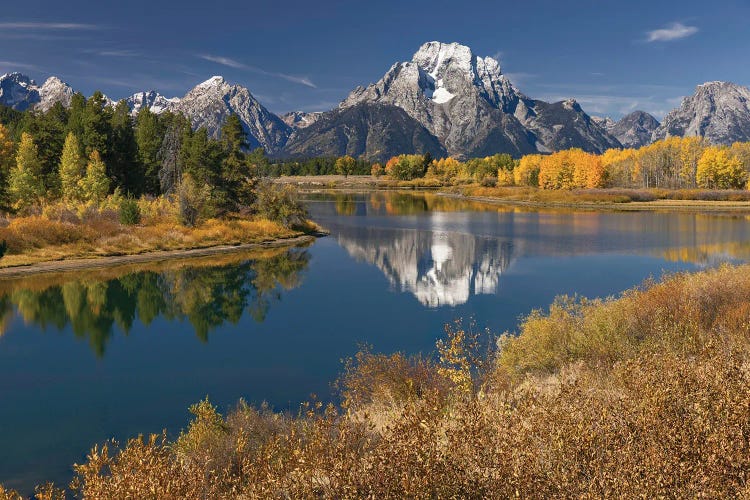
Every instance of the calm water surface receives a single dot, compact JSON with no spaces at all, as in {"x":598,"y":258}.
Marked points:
{"x":114,"y":353}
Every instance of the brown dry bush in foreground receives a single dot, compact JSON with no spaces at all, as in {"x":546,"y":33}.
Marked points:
{"x":646,"y":395}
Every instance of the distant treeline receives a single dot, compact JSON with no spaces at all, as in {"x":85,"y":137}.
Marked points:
{"x":672,"y":163}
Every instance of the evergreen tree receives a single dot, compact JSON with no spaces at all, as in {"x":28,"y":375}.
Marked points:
{"x":7,"y":162}
{"x":177,"y":131}
{"x":238,"y":177}
{"x":71,"y":169}
{"x":201,"y":157}
{"x":48,"y":130}
{"x":76,"y":113}
{"x":124,"y":168}
{"x":26,"y":186}
{"x":149,"y":135}
{"x":97,"y":130}
{"x":95,"y":185}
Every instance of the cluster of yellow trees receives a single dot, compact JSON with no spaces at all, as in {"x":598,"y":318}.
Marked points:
{"x":672,"y":163}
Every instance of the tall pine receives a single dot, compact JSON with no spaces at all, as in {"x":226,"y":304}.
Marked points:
{"x":7,"y":162}
{"x":238,"y":183}
{"x":149,"y":134}
{"x":97,"y":130}
{"x":124,"y":168}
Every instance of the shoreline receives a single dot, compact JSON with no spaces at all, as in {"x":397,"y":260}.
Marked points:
{"x":64,"y":265}
{"x":734,"y":207}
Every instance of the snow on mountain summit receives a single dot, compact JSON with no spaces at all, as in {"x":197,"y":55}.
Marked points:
{"x":467,"y":102}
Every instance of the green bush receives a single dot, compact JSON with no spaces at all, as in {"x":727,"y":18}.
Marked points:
{"x":130,"y":213}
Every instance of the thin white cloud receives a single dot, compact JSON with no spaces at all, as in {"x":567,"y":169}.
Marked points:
{"x":118,"y":53}
{"x":675,"y":31}
{"x":47,"y":26}
{"x":15,"y":66}
{"x":112,"y":52}
{"x":224,"y":61}
{"x":232,"y":63}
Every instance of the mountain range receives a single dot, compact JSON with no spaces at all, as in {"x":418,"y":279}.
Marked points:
{"x":445,"y":101}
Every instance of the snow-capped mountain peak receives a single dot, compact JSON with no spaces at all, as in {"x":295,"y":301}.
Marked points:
{"x":53,"y":91}
{"x":467,"y":103}
{"x":18,"y":91}
{"x":153,"y":100}
{"x":213,"y":82}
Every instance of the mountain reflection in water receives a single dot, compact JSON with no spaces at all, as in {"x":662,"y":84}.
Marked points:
{"x":443,"y":250}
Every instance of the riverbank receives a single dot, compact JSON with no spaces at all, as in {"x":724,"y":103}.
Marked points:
{"x":643,"y":395}
{"x":97,"y":263}
{"x":626,"y":206}
{"x":59,"y":233}
{"x":584,"y":199}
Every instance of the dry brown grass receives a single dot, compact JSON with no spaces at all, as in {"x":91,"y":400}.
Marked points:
{"x":63,"y":233}
{"x":643,"y":396}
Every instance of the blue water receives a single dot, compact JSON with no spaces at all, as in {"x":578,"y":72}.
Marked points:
{"x":91,"y":356}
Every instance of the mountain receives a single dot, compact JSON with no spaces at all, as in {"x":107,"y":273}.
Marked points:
{"x":153,"y":100}
{"x":209,"y":103}
{"x":604,"y":122}
{"x":376,"y":131}
{"x":19,"y":92}
{"x":300,"y":119}
{"x":718,"y":111}
{"x":473,"y":109}
{"x":53,"y":91}
{"x":633,"y":131}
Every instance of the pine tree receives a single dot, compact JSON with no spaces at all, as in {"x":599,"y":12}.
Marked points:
{"x":7,"y":162}
{"x":48,"y":131}
{"x":124,"y":167}
{"x":95,"y":185}
{"x":71,"y":169}
{"x":26,"y":185}
{"x":75,"y":114}
{"x":238,"y":179}
{"x":177,"y":131}
{"x":97,"y":130}
{"x":149,"y":134}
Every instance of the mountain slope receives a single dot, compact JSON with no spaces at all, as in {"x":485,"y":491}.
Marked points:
{"x":375,"y":131}
{"x":718,"y":111}
{"x":209,"y":104}
{"x":633,"y":130}
{"x":468,"y":103}
{"x":18,"y":91}
{"x":152,"y":100}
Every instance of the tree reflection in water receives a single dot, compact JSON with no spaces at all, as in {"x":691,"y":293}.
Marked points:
{"x":206,"y":292}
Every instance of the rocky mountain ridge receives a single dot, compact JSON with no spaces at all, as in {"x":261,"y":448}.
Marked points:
{"x":633,"y":130}
{"x":718,"y":111}
{"x":445,"y":100}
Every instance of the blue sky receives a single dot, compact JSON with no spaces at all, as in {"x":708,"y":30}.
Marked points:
{"x":612,"y":56}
